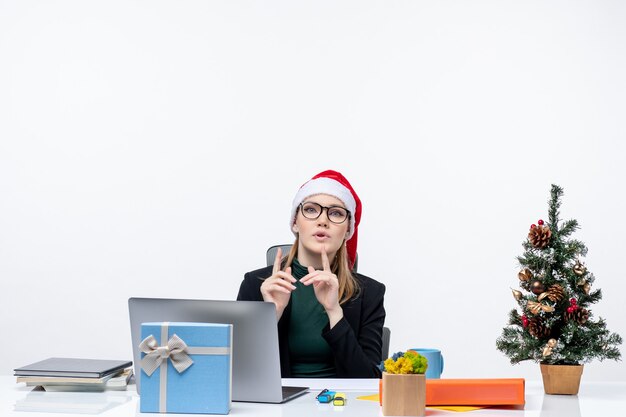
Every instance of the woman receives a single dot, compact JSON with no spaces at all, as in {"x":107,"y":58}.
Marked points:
{"x":330,"y":319}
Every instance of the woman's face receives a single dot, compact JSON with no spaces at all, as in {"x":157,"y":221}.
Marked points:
{"x":321,"y":232}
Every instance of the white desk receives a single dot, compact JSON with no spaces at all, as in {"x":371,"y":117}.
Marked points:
{"x":593,"y":400}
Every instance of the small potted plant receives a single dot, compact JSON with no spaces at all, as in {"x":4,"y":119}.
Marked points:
{"x":404,"y":384}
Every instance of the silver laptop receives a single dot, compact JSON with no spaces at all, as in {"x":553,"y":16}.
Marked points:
{"x":256,"y":361}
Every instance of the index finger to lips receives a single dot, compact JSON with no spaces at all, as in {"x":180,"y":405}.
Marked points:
{"x":325,"y":263}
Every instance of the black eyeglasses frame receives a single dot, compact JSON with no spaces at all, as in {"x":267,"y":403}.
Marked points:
{"x":301,"y":208}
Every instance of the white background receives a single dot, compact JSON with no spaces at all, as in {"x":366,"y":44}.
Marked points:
{"x":152,"y":148}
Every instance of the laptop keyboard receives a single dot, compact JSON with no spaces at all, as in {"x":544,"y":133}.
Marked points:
{"x":291,"y":391}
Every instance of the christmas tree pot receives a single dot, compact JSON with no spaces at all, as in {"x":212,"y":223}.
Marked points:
{"x":404,"y":394}
{"x":561,"y":379}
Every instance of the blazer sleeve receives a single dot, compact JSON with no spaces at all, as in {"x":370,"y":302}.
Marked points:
{"x":358,"y":351}
{"x":250,"y":288}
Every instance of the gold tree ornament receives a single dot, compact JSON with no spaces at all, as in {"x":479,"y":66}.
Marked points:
{"x":517,"y":294}
{"x":535,"y":307}
{"x":547,"y":350}
{"x":525,"y":275}
{"x":539,"y":236}
{"x":579,"y":269}
{"x":585,"y":284}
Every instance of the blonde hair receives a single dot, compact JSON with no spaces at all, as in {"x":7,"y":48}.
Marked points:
{"x":348,"y":285}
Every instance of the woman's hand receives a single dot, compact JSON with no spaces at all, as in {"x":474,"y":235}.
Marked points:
{"x":278,"y":287}
{"x":326,"y":288}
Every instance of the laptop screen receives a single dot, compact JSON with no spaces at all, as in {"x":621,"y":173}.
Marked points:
{"x":256,"y":361}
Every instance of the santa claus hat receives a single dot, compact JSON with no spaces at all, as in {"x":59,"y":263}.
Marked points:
{"x":333,"y":183}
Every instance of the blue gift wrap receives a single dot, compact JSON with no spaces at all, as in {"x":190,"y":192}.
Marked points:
{"x":186,"y":368}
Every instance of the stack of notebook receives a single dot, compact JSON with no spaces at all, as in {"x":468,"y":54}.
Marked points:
{"x":74,"y":374}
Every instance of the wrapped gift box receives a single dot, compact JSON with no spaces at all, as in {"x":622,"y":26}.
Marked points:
{"x":186,"y":368}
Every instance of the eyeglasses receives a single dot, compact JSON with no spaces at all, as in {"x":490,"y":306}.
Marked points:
{"x":335,"y":214}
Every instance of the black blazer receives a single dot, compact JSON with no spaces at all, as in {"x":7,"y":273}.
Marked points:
{"x":356,"y":340}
